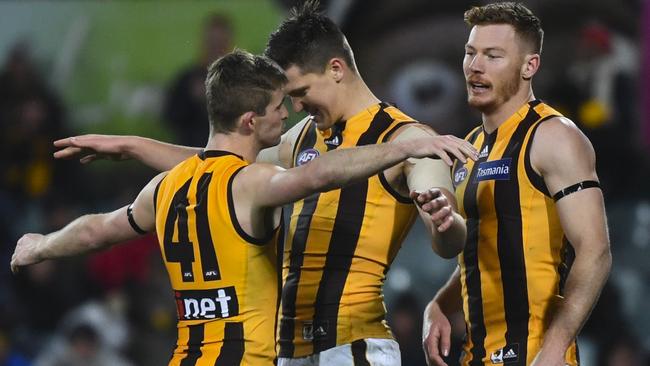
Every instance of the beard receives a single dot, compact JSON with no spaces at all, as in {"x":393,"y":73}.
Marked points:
{"x":501,"y":94}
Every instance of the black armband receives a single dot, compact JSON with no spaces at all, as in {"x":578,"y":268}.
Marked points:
{"x":129,"y":214}
{"x":575,"y":188}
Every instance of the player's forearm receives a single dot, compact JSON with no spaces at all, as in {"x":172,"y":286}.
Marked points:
{"x":450,"y":242}
{"x":340,"y":167}
{"x":586,"y":279}
{"x":80,"y":236}
{"x":157,"y":154}
{"x":449,"y":297}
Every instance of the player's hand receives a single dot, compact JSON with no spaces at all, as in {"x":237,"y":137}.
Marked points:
{"x":88,"y":148}
{"x":436,"y":335}
{"x":442,"y":147}
{"x":435,"y":203}
{"x":26,"y":251}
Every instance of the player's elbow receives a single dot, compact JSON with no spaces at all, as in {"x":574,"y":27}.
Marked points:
{"x":605,"y":259}
{"x":448,"y":250}
{"x":448,"y":247}
{"x":449,"y":243}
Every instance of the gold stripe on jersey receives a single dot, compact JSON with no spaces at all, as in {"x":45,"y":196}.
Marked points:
{"x":340,"y":244}
{"x":224,"y":281}
{"x":511,"y":264}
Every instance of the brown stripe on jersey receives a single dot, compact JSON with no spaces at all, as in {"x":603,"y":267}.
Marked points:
{"x":535,"y":179}
{"x":282,"y":233}
{"x":343,"y":243}
{"x":390,"y":132}
{"x":194,"y":345}
{"x":510,"y":242}
{"x":290,"y":286}
{"x":477,"y":331}
{"x":233,"y":216}
{"x":180,"y":251}
{"x":209,"y":264}
{"x":477,"y":132}
{"x":155,"y":196}
{"x":296,"y":257}
{"x":205,"y":154}
{"x":359,"y":353}
{"x":232,"y":350}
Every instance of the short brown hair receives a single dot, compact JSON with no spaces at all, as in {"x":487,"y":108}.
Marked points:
{"x":308,"y":39}
{"x":526,"y":24}
{"x":237,"y":83}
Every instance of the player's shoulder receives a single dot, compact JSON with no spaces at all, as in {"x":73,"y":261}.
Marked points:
{"x":412,"y":131}
{"x":558,"y":131}
{"x":559,"y":140}
{"x":257,"y":173}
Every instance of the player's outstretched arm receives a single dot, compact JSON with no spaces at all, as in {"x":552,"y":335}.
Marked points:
{"x":564,"y":157}
{"x":341,"y":167}
{"x":87,"y":233}
{"x":159,"y":155}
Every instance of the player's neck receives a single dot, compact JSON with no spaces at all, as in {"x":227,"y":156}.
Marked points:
{"x":235,"y":143}
{"x":356,"y":98}
{"x":495,"y":118}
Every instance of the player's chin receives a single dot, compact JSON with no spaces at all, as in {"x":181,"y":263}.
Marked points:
{"x":479,"y":102}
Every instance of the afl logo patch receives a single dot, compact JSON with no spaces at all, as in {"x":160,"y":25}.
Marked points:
{"x":460,"y":176}
{"x":306,"y":156}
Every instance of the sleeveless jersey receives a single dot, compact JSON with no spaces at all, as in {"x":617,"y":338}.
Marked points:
{"x":225,"y":282}
{"x":339,"y":244}
{"x":516,"y":256}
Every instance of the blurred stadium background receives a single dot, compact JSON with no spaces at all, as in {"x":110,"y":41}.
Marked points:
{"x":128,"y":67}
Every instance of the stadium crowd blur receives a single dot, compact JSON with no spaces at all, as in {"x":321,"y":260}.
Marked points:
{"x":116,"y":308}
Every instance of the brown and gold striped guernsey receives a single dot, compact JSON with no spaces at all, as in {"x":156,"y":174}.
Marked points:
{"x":225,"y":282}
{"x":512,"y":267}
{"x":340,"y":244}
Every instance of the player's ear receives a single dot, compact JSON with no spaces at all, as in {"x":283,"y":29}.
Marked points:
{"x":530,"y":66}
{"x":336,"y":68}
{"x":247,"y":121}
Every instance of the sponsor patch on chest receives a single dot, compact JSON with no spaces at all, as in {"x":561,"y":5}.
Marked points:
{"x":494,"y":170}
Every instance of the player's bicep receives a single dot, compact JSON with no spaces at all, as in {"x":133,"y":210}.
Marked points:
{"x":566,"y":161}
{"x":114,"y":227}
{"x":563,"y":155}
{"x":272,"y":186}
{"x":141,"y":215}
{"x":423,"y":174}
